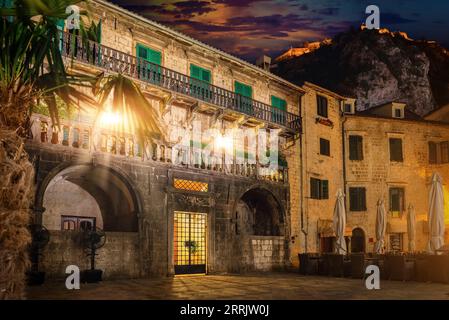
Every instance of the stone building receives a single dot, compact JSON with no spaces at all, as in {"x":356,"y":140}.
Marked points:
{"x":385,"y":153}
{"x":248,"y":177}
{"x":214,"y":198}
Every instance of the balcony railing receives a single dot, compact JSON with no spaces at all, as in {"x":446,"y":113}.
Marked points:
{"x":113,"y":60}
{"x":83,"y":135}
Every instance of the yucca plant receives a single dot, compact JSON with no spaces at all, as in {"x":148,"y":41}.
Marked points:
{"x":32,"y":69}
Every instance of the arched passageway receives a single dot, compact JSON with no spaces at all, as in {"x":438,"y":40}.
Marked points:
{"x":358,"y":240}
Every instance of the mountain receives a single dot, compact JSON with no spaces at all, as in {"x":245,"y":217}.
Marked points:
{"x":374,"y":66}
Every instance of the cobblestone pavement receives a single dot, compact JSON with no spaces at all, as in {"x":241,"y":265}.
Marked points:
{"x":285,"y":286}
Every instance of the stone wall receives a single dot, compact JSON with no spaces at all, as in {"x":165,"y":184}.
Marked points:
{"x":377,"y":173}
{"x":118,"y":258}
{"x":267,"y":253}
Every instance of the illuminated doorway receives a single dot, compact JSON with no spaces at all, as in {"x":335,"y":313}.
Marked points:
{"x":189,"y":243}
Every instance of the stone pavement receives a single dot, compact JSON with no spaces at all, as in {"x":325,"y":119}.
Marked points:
{"x":285,"y":286}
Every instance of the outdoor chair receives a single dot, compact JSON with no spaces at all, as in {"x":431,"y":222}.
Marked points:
{"x":400,"y":268}
{"x":440,"y":268}
{"x":323,"y":265}
{"x":422,"y":268}
{"x":338,"y":266}
{"x":358,"y":267}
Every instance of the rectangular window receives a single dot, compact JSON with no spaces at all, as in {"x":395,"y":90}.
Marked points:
{"x":191,"y":185}
{"x":319,"y":189}
{"x":278,"y":104}
{"x":444,"y":149}
{"x":397,"y":203}
{"x":325,"y":147}
{"x":396,"y":242}
{"x":396,"y":150}
{"x":321,"y":106}
{"x":200,"y":73}
{"x":78,"y":223}
{"x":432,"y":153}
{"x":355,"y":148}
{"x":199,"y":82}
{"x":357,"y":199}
{"x":347,"y":108}
{"x":150,"y":60}
{"x":244,"y":98}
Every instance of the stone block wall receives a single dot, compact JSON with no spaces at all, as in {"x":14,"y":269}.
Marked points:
{"x":118,"y":258}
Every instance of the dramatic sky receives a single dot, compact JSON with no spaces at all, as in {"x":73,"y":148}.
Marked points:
{"x":249,"y":28}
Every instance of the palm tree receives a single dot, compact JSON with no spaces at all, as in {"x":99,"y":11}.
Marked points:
{"x":32,"y":69}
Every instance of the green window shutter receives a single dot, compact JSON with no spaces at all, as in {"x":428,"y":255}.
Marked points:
{"x":195,"y":72}
{"x":60,"y":23}
{"x":148,"y":54}
{"x":324,"y":189}
{"x":200,"y":73}
{"x":278,"y":103}
{"x":206,"y":75}
{"x":99,"y":31}
{"x":243,"y":89}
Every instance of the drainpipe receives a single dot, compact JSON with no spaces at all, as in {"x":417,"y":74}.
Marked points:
{"x":344,"y":152}
{"x":304,"y":229}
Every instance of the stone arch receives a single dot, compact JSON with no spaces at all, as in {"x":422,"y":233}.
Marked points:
{"x":257,"y":211}
{"x":117,"y":199}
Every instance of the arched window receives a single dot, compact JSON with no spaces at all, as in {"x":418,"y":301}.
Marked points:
{"x":76,"y":138}
{"x":65,"y":136}
{"x":104,"y":143}
{"x":86,"y":138}
{"x":122,"y":149}
{"x":44,"y":130}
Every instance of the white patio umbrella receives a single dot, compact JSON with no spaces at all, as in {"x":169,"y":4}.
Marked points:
{"x":436,"y":214}
{"x":411,"y":228}
{"x":381,"y":227}
{"x":340,"y":223}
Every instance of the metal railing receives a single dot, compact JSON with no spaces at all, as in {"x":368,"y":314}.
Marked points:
{"x":84,"y":136}
{"x":101,"y":56}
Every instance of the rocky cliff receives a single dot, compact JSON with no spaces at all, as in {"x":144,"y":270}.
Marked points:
{"x":374,"y":66}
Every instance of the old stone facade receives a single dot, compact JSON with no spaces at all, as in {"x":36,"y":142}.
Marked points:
{"x":165,"y":209}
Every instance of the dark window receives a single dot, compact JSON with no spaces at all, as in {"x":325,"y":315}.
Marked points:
{"x":321,"y":106}
{"x":396,"y":202}
{"x":347,"y":108}
{"x":357,"y":199}
{"x":325,"y":147}
{"x":355,"y":148}
{"x":319,"y":189}
{"x":396,"y":150}
{"x":444,"y":148}
{"x":397,"y":113}
{"x":432,"y":152}
{"x":77,"y":223}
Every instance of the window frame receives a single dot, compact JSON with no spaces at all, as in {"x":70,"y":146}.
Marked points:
{"x":401,"y":204}
{"x":322,"y":110}
{"x":392,"y":152}
{"x":360,"y":205}
{"x":358,"y":154}
{"x":327,"y":145}
{"x":319,"y":189}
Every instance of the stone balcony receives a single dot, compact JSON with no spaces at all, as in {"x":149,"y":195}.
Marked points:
{"x":83,"y":136}
{"x":179,"y":88}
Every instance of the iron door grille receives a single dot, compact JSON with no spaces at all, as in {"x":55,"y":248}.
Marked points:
{"x":190,"y":242}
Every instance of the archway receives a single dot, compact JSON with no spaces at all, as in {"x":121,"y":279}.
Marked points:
{"x":358,"y":240}
{"x":87,"y":191}
{"x":258,"y":213}
{"x":259,"y":230}
{"x":81,"y":196}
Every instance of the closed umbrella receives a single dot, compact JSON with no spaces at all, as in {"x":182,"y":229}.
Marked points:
{"x":381,"y":227}
{"x":436,"y":214}
{"x":340,"y":223}
{"x":411,"y":227}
